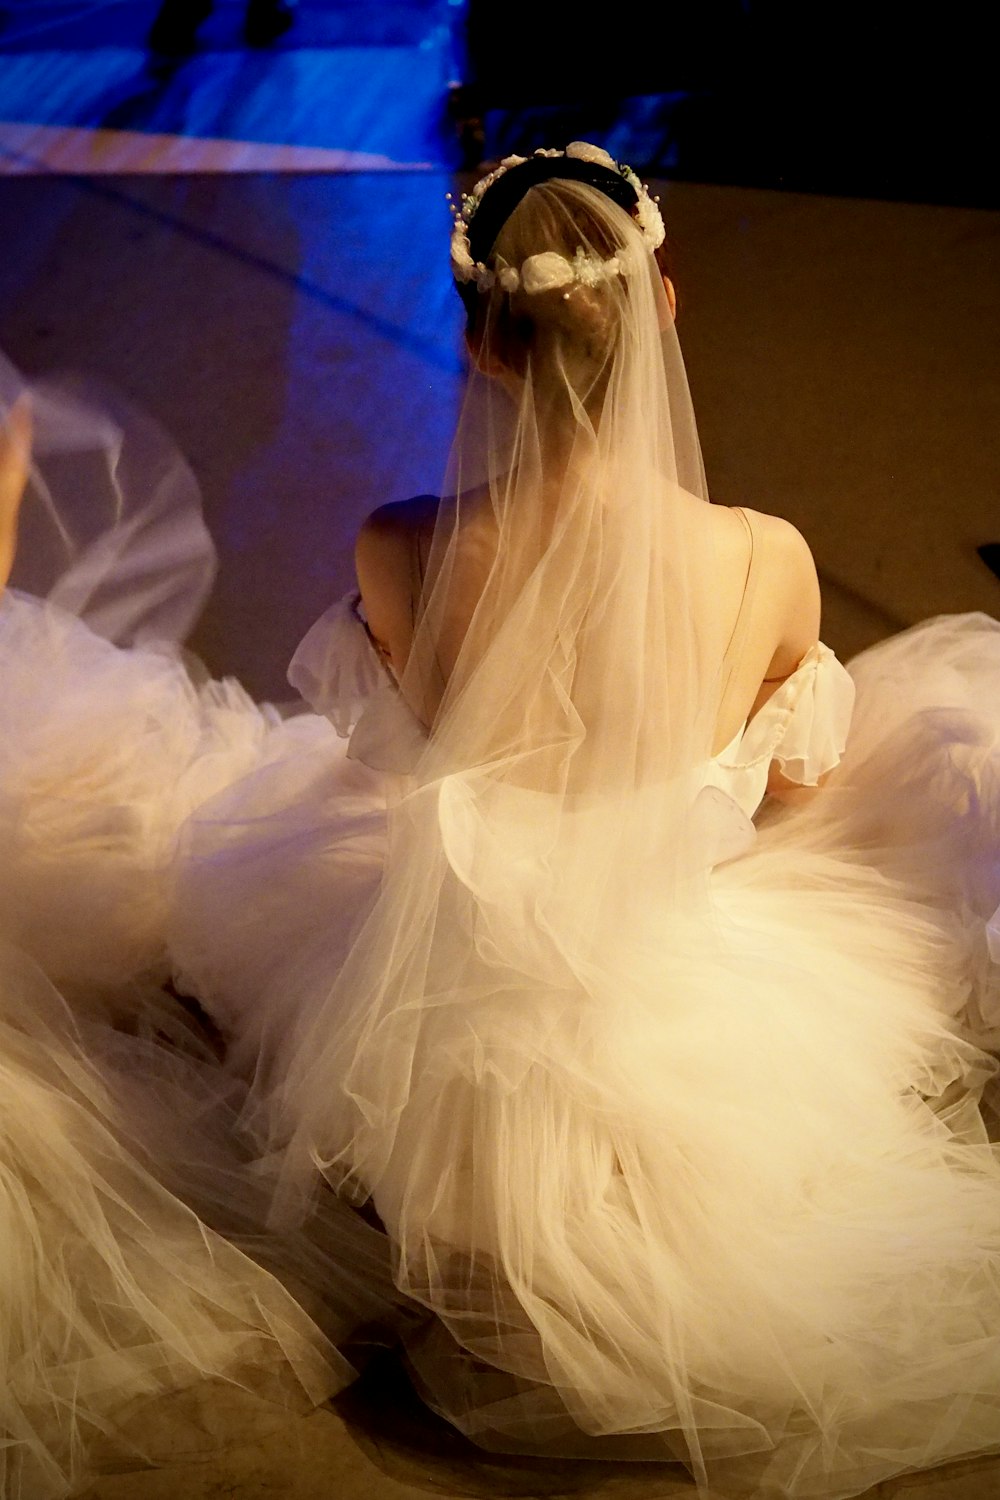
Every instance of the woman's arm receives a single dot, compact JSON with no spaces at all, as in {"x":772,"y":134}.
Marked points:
{"x":793,"y":587}
{"x":390,"y":560}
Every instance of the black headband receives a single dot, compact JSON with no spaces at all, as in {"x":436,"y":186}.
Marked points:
{"x":502,"y":197}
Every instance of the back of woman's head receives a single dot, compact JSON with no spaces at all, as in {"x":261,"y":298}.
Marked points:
{"x":569,"y":273}
{"x":553,"y":256}
{"x":556,"y":224}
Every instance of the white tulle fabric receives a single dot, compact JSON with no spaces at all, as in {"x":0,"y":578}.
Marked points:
{"x":674,"y":1121}
{"x":111,"y":526}
{"x":759,"y":1162}
{"x":790,"y":1098}
{"x":680,"y":1147}
{"x":135,"y":1265}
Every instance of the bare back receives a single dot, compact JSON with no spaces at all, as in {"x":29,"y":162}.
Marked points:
{"x":762,"y":614}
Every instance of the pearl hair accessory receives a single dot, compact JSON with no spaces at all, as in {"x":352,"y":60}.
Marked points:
{"x":550,"y":270}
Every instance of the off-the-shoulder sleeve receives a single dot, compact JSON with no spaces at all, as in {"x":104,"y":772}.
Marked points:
{"x":804,"y":725}
{"x":336,"y":668}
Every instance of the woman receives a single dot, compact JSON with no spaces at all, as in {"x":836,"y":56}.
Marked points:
{"x":673,"y":1122}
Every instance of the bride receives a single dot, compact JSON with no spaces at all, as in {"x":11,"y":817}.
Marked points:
{"x":641,"y":999}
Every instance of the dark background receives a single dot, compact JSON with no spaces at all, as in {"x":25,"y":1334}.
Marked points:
{"x":882,"y":99}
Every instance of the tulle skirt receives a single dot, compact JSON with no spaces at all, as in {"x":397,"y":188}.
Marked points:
{"x":113,"y":1294}
{"x":734,"y":1202}
{"x":136,"y":1260}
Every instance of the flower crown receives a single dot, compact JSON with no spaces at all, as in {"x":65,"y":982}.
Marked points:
{"x":550,"y":270}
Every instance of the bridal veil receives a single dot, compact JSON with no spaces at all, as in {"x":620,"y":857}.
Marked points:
{"x":548,"y":830}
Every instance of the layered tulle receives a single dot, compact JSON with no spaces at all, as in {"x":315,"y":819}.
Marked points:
{"x":729,"y":1198}
{"x":671,"y":1142}
{"x":136,"y":1269}
{"x":113,"y":1292}
{"x":110,"y":526}
{"x":731,"y":1201}
{"x":134,"y":1203}
{"x":105,"y":753}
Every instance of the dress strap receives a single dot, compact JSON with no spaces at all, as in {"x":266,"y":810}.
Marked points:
{"x":739,"y":511}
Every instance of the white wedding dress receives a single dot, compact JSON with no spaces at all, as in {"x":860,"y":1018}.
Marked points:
{"x":806,"y":1153}
{"x":666,"y":1105}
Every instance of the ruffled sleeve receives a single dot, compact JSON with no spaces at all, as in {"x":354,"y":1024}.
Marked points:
{"x":338,"y":672}
{"x":336,"y":668}
{"x":804,"y":725}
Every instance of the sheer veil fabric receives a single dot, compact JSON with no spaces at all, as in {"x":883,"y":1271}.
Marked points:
{"x":669,"y":1143}
{"x":480,"y":1031}
{"x":637,"y":1132}
{"x":566,"y":687}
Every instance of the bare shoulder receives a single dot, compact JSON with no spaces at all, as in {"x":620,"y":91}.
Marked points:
{"x":396,"y":523}
{"x":788,"y":544}
{"x":781,"y":551}
{"x":778,"y":545}
{"x":781,"y":539}
{"x":385,"y":545}
{"x":788,"y":587}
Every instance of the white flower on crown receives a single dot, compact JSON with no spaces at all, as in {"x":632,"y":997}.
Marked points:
{"x":584,"y":151}
{"x":648,"y":214}
{"x":462,"y":265}
{"x":540,"y":272}
{"x":546,"y":272}
{"x":589,"y":270}
{"x":471,"y":201}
